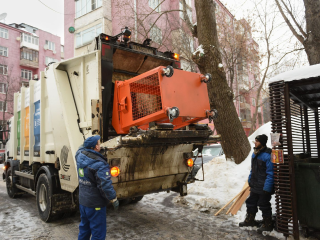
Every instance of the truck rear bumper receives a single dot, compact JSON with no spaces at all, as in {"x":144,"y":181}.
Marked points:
{"x":149,"y":185}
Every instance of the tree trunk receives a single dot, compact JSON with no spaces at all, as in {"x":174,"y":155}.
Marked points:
{"x":234,"y":140}
{"x":312,"y":42}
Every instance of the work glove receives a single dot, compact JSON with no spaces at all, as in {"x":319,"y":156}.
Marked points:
{"x":115,"y":204}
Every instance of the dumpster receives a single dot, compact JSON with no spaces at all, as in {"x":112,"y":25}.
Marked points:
{"x":307,"y":177}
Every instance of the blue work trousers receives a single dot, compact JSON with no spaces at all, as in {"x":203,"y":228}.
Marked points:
{"x":259,"y":200}
{"x":93,"y":222}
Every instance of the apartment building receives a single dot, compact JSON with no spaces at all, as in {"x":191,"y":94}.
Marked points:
{"x":161,"y":22}
{"x":24,"y":52}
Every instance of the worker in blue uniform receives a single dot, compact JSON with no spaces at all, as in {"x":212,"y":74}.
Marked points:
{"x":95,"y":190}
{"x":261,"y":182}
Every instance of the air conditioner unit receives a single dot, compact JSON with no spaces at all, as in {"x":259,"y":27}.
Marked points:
{"x":35,"y":77}
{"x":54,"y":51}
{"x":45,"y":47}
{"x":18,"y":38}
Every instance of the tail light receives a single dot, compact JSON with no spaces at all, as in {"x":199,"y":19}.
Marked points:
{"x":189,"y":162}
{"x":176,"y":56}
{"x":115,"y":171}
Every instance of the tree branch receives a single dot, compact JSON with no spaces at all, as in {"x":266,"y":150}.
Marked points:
{"x":294,"y":20}
{"x":187,"y":20}
{"x":298,"y":36}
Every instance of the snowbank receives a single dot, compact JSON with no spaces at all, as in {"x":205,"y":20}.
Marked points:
{"x":223,"y":181}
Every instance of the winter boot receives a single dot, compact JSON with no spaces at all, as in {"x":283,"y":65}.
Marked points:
{"x":267,"y":225}
{"x":249,"y":221}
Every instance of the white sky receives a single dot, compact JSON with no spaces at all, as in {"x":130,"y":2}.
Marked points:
{"x":34,"y":13}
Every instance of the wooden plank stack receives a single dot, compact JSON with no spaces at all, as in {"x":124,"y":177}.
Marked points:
{"x":238,"y":201}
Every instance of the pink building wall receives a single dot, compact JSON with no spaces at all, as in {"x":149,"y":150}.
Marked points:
{"x":13,"y":59}
{"x":69,"y":15}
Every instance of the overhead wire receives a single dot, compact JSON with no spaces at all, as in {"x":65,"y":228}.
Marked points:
{"x":75,"y":13}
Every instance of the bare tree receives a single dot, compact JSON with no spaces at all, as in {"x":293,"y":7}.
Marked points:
{"x":9,"y":84}
{"x":309,"y":36}
{"x":234,"y":141}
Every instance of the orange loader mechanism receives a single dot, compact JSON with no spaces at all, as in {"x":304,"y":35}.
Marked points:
{"x":161,"y":95}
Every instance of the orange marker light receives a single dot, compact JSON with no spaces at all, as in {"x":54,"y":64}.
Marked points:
{"x":190,"y":162}
{"x":115,"y":171}
{"x":176,"y":56}
{"x":4,"y":168}
{"x":107,"y":38}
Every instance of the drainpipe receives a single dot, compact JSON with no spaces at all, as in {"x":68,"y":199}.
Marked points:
{"x":135,"y":19}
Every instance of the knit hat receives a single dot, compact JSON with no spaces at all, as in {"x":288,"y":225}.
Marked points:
{"x":91,"y":142}
{"x":262,"y":139}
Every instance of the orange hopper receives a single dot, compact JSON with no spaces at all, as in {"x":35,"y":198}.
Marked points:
{"x":160,"y":95}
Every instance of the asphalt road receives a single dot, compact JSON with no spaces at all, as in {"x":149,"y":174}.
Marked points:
{"x":156,"y":216}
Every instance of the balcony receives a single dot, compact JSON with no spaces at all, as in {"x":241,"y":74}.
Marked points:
{"x":243,"y":87}
{"x":245,"y":106}
{"x":28,"y":63}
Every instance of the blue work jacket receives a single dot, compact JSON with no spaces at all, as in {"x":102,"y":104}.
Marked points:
{"x":261,"y":174}
{"x":95,"y":185}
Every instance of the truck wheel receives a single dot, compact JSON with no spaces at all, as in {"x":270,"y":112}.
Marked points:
{"x":136,"y":199}
{"x":11,"y":189}
{"x":44,"y":197}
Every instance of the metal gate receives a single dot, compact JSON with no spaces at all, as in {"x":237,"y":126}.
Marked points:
{"x":286,"y":208}
{"x":294,"y":114}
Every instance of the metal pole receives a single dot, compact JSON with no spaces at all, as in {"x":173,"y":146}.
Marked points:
{"x":316,"y":119}
{"x":291,"y":163}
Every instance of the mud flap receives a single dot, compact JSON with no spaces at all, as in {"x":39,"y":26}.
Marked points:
{"x":183,"y":190}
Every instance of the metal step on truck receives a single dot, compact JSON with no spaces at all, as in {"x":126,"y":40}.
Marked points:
{"x":145,"y":108}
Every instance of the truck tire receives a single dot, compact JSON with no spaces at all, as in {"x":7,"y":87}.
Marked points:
{"x":11,"y":189}
{"x":44,"y":198}
{"x":136,"y":199}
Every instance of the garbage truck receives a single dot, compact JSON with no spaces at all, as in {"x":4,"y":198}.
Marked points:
{"x":144,"y":106}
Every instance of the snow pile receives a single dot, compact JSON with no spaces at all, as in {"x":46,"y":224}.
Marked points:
{"x":223,"y":181}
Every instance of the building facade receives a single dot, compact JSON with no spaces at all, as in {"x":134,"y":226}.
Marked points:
{"x":163,"y":22}
{"x":24,"y":52}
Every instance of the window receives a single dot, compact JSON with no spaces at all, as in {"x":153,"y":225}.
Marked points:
{"x":189,"y":11}
{"x":3,"y":87}
{"x":4,"y":33}
{"x":29,"y":54}
{"x":253,"y":102}
{"x":2,"y":106}
{"x":50,"y":45}
{"x":156,"y":35}
{"x":26,"y":74}
{"x":62,"y":48}
{"x":30,"y":39}
{"x":85,"y":6}
{"x":3,"y":51}
{"x":50,"y":60}
{"x":154,"y":4}
{"x":3,"y":69}
{"x":86,"y":36}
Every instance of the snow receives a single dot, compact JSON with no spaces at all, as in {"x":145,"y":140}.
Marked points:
{"x":199,"y":49}
{"x":298,"y":74}
{"x":223,"y":181}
